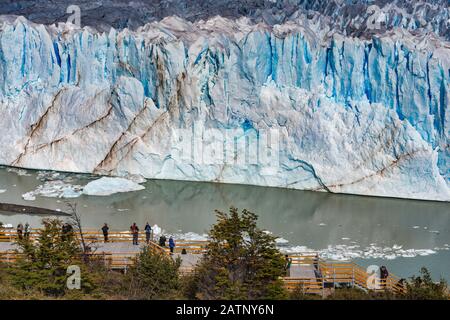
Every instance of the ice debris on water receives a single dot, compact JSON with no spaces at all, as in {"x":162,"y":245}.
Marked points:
{"x":54,"y":189}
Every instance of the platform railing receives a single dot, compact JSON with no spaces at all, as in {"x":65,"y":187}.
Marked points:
{"x":328,"y":273}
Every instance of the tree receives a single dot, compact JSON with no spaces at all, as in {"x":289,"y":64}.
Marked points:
{"x":241,"y":261}
{"x":42,"y":265}
{"x":86,"y":248}
{"x":423,"y":287}
{"x":154,"y":275}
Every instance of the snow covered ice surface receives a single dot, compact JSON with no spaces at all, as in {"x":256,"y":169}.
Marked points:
{"x":106,"y":186}
{"x":363,"y":115}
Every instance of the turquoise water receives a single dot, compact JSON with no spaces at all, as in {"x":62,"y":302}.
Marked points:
{"x":338,"y":225}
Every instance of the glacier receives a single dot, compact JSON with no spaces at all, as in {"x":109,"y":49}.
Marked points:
{"x":361,"y":116}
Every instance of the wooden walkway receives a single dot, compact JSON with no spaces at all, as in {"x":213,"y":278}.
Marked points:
{"x":308,"y":271}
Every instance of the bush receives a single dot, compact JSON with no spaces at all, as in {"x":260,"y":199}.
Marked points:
{"x":422,"y":287}
{"x":241,"y":262}
{"x":153,"y":276}
{"x":42,"y":265}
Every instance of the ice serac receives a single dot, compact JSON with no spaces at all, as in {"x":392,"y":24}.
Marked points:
{"x":355,"y":116}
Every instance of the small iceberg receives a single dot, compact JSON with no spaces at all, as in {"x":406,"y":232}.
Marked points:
{"x":106,"y":186}
{"x":29,"y":196}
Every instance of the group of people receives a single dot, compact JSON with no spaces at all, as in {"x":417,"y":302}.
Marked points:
{"x":23,"y":231}
{"x":134,"y":229}
{"x":162,"y":242}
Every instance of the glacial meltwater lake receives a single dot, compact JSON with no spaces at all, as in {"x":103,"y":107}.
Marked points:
{"x":401,"y":234}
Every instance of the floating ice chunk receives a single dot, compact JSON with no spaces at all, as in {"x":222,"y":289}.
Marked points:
{"x":297,"y":249}
{"x":281,"y":241}
{"x":322,"y":224}
{"x":156,"y":229}
{"x":54,"y":189}
{"x":29,"y":196}
{"x":3,"y":190}
{"x":106,"y":186}
{"x":70,"y":193}
{"x":345,"y":238}
{"x":416,"y":227}
{"x":20,"y":172}
{"x":425,"y":252}
{"x":136,"y":178}
{"x":345,"y":252}
{"x":191,"y":236}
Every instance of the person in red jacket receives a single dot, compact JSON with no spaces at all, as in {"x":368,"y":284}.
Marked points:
{"x":135,"y":232}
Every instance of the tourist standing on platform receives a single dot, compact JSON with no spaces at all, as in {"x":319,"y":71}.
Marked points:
{"x":66,"y":231}
{"x":316,"y":261}
{"x":105,"y":230}
{"x":162,"y":241}
{"x":384,"y":274}
{"x":27,"y":231}
{"x":135,"y":231}
{"x":171,"y":244}
{"x":148,"y":232}
{"x":20,"y":231}
{"x":287,"y":266}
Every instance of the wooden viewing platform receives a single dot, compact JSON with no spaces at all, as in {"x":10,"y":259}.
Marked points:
{"x":308,"y":271}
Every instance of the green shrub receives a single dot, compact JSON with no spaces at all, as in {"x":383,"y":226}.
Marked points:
{"x":422,"y":287}
{"x":42,"y":264}
{"x":241,"y":262}
{"x":153,"y":276}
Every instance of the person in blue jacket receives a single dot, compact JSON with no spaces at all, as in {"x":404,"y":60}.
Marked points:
{"x":148,"y":232}
{"x":171,"y":244}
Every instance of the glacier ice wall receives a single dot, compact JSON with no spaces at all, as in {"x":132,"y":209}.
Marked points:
{"x":356,"y":116}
